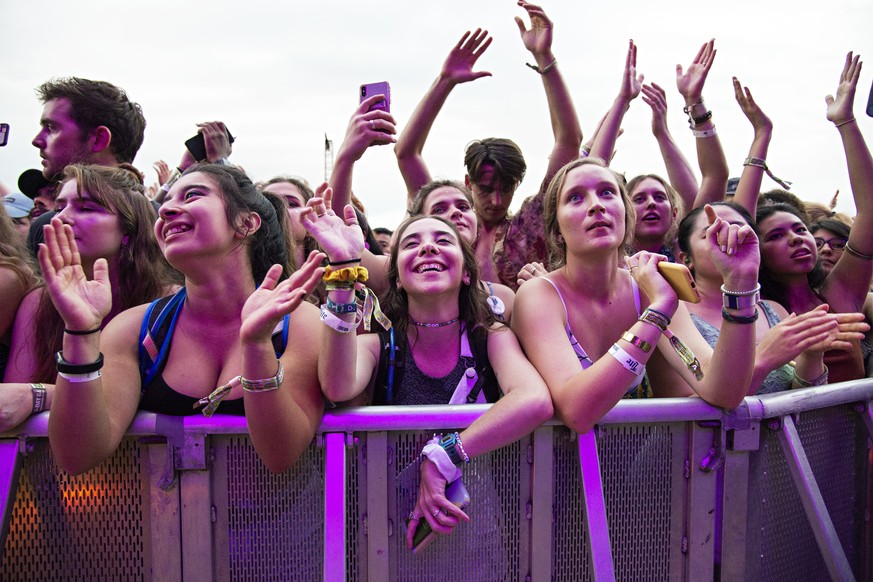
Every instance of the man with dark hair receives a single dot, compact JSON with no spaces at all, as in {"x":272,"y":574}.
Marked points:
{"x":495,"y":166}
{"x":83,"y":121}
{"x":86,"y":121}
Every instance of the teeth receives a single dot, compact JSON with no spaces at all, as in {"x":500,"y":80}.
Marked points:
{"x":176,"y":229}
{"x":430,"y":266}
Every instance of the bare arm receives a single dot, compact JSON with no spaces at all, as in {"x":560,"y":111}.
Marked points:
{"x":457,"y":68}
{"x":749,"y":187}
{"x":848,"y":283}
{"x":282,"y":421}
{"x":565,"y":124}
{"x":22,"y":363}
{"x":710,"y":156}
{"x":678,"y":169}
{"x":610,"y":127}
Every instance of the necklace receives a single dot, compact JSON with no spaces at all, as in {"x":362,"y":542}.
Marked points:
{"x":440,"y":324}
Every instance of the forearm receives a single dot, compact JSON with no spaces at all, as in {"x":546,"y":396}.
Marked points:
{"x":860,"y":166}
{"x":512,"y":417}
{"x":80,"y":430}
{"x":341,"y":180}
{"x":729,"y":373}
{"x":280,"y":430}
{"x":337,"y":361}
{"x":562,"y":113}
{"x":711,"y":160}
{"x":809,"y":366}
{"x":607,"y":135}
{"x":410,"y":142}
{"x":749,"y":187}
{"x":678,"y":169}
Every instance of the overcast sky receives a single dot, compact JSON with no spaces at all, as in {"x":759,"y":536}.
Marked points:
{"x":281,"y":75}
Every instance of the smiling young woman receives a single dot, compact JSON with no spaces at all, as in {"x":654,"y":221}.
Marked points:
{"x":232,"y":245}
{"x":443,"y":332}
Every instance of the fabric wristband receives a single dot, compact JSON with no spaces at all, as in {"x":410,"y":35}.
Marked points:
{"x":625,"y":359}
{"x":39,"y":398}
{"x":440,"y":458}
{"x":337,"y":324}
{"x":265,"y":385}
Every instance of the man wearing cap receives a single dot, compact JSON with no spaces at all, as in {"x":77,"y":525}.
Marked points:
{"x":84,"y":121}
{"x":19,"y":207}
{"x":43,"y":193}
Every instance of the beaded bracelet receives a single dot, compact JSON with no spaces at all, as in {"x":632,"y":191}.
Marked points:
{"x":695,"y":121}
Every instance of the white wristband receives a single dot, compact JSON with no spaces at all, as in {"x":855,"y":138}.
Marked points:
{"x":439,"y":457}
{"x":77,"y":378}
{"x":703,"y":133}
{"x":337,"y":324}
{"x":625,"y":359}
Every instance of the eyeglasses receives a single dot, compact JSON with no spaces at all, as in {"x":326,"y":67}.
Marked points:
{"x":836,"y":244}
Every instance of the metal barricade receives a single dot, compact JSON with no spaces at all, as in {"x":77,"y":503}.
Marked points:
{"x":669,"y":489}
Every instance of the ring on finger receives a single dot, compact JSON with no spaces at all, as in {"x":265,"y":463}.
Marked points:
{"x":372,"y":125}
{"x":437,"y":511}
{"x":413,"y":517}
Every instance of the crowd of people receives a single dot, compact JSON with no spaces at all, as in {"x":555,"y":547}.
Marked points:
{"x":203,"y":293}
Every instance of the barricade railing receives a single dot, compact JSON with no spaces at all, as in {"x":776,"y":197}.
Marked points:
{"x":667,"y":489}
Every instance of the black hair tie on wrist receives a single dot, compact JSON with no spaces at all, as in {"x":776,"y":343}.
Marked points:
{"x":86,"y":332}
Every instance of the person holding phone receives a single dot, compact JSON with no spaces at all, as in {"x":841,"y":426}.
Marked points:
{"x":451,"y":348}
{"x":231,"y":243}
{"x":599,"y":323}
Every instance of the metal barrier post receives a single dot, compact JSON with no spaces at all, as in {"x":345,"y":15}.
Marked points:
{"x":10,"y":469}
{"x":813,"y":503}
{"x":595,"y":507}
{"x":542,"y":494}
{"x":706,"y":450}
{"x":196,"y":494}
{"x":377,"y":507}
{"x":335,"y":507}
{"x":735,"y":502}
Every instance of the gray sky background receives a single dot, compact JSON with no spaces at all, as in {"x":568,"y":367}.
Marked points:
{"x":281,"y":75}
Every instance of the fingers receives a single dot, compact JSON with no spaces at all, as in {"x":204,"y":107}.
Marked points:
{"x":349,"y":215}
{"x":271,"y":279}
{"x":101,"y":271}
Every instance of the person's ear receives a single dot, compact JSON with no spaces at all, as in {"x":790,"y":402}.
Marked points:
{"x":101,"y":137}
{"x":686,"y":259}
{"x":466,"y":278}
{"x":467,"y":182}
{"x":251,"y":223}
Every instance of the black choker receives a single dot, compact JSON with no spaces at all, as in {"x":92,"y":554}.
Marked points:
{"x":441,"y":324}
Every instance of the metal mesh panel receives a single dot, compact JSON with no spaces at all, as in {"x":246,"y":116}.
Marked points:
{"x":487,"y":548}
{"x":638,"y":467}
{"x":275,"y":522}
{"x":84,"y":527}
{"x":781,"y":544}
{"x":571,"y":557}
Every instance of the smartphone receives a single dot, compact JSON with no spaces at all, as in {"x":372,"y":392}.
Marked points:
{"x":4,"y":134}
{"x":870,"y":102}
{"x":424,"y":535}
{"x":382,"y":88}
{"x":197,"y":145}
{"x":680,"y":280}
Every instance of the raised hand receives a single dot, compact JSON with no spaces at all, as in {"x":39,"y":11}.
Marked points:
{"x":759,"y":120}
{"x":341,"y":238}
{"x":734,"y":249}
{"x":368,"y":128}
{"x":655,"y":97}
{"x":216,"y":140}
{"x":631,"y":84}
{"x":81,"y":303}
{"x":458,"y":66}
{"x":840,"y":110}
{"x":538,"y":38}
{"x":690,"y":83}
{"x":163,"y":171}
{"x":270,"y":302}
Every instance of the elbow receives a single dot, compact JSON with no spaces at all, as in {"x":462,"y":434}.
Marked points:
{"x":542,"y":409}
{"x":726,"y":400}
{"x":575,"y":420}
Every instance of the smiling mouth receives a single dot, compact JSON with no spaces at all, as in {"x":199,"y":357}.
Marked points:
{"x":430,"y":268}
{"x":175,"y":229}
